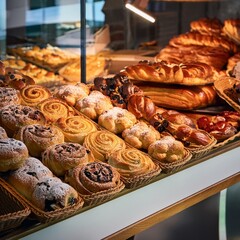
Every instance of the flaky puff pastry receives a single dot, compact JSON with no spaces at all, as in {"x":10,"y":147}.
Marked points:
{"x":167,"y":149}
{"x":94,"y":104}
{"x":93,"y":178}
{"x":117,"y":119}
{"x":54,"y":108}
{"x":13,"y":154}
{"x":72,"y":93}
{"x":76,"y":128}
{"x":131,"y":162}
{"x":100,"y":143}
{"x":141,"y":135}
{"x":39,"y":137}
{"x":64,"y":156}
{"x":31,"y":95}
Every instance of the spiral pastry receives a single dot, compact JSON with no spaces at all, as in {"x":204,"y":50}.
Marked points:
{"x":33,"y":94}
{"x":131,"y":162}
{"x":93,"y":177}
{"x":13,"y":154}
{"x":9,"y":96}
{"x":39,"y":137}
{"x":64,"y":156}
{"x":54,"y":108}
{"x":102,"y":142}
{"x":12,"y":117}
{"x":76,"y":128}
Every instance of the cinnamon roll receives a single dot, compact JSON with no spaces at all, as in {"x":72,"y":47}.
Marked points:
{"x":131,"y":162}
{"x":12,"y":117}
{"x":102,"y":142}
{"x":76,"y":128}
{"x":94,"y":104}
{"x":9,"y":96}
{"x":54,"y":108}
{"x":13,"y":154}
{"x":117,"y":119}
{"x":39,"y":137}
{"x":72,"y":93}
{"x":31,"y":95}
{"x":141,"y":135}
{"x":93,"y":178}
{"x":64,"y":156}
{"x":25,"y":178}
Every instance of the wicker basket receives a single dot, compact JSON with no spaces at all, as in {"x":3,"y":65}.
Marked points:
{"x":13,"y":210}
{"x":45,"y":216}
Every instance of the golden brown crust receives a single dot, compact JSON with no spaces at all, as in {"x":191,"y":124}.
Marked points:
{"x":39,"y":137}
{"x":195,"y":38}
{"x":3,"y":133}
{"x":131,"y":162}
{"x":207,"y":26}
{"x":117,"y":119}
{"x":93,"y":178}
{"x":76,"y":128}
{"x":13,"y":154}
{"x":64,"y":156}
{"x":195,"y":73}
{"x":31,"y":95}
{"x":141,"y":135}
{"x":232,"y":29}
{"x":102,"y":142}
{"x":179,"y":97}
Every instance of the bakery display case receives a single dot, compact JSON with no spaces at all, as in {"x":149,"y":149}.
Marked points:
{"x":140,"y":128}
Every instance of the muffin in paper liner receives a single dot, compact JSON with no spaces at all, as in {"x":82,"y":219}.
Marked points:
{"x":143,"y":179}
{"x":170,"y":167}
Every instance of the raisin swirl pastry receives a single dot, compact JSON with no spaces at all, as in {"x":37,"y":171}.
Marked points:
{"x":141,"y":135}
{"x":14,"y":117}
{"x":76,"y":128}
{"x":51,"y":194}
{"x":116,"y":120}
{"x":39,"y":137}
{"x":54,"y":108}
{"x":102,"y":142}
{"x":31,"y":95}
{"x":9,"y":96}
{"x":131,"y":162}
{"x":13,"y":154}
{"x":93,"y":178}
{"x":25,"y":178}
{"x":64,"y":156}
{"x":94,"y":104}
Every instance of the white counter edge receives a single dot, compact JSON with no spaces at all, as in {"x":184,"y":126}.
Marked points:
{"x":110,"y":217}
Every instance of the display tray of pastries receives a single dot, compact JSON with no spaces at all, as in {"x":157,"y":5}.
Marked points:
{"x":228,"y":88}
{"x":48,"y":57}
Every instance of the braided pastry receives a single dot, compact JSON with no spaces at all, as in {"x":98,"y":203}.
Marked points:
{"x":162,"y":72}
{"x":195,"y":38}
